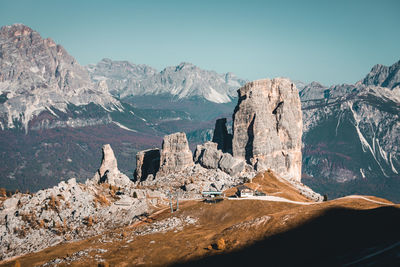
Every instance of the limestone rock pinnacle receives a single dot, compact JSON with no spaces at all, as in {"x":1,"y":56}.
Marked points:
{"x":175,"y":153}
{"x":108,"y":171}
{"x":267,"y":127}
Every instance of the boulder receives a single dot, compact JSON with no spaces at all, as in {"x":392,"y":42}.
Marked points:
{"x":230,"y":165}
{"x":147,"y":163}
{"x":221,"y":136}
{"x":175,"y":154}
{"x":267,"y":127}
{"x":208,"y":155}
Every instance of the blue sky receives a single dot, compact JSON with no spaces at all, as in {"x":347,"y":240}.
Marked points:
{"x":327,"y":41}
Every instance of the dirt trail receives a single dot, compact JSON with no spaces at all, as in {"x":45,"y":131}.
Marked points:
{"x":281,"y":199}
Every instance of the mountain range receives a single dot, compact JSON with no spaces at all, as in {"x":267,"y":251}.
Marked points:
{"x":55,"y":113}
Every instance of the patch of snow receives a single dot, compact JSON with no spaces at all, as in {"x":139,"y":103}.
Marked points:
{"x":216,"y":97}
{"x":391,"y":164}
{"x":382,"y":152}
{"x":362,"y":173}
{"x":52,"y":112}
{"x":124,"y":127}
{"x":99,"y":78}
{"x":364,"y":143}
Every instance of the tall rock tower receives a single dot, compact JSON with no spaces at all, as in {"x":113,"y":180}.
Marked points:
{"x":267,"y":127}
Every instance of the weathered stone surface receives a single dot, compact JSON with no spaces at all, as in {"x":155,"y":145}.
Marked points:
{"x":175,"y":153}
{"x":208,"y":155}
{"x":108,"y":171}
{"x":61,"y":213}
{"x":267,"y":127}
{"x":38,"y":75}
{"x":230,"y":165}
{"x":147,"y":163}
{"x":221,"y":136}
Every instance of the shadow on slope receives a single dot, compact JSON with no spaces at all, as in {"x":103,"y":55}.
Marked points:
{"x":338,"y":237}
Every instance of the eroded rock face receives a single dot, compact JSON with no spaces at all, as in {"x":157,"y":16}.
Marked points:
{"x":221,"y":136}
{"x":230,"y":165}
{"x":147,"y":163}
{"x":208,"y":155}
{"x":108,"y":171}
{"x":267,"y":127}
{"x":175,"y":153}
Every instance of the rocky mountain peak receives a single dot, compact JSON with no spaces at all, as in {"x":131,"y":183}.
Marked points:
{"x":185,"y":80}
{"x":185,"y":66}
{"x":383,"y":76}
{"x":313,"y":90}
{"x":37,"y":75}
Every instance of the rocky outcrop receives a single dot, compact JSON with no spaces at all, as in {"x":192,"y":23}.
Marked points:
{"x":182,"y":81}
{"x":108,"y":171}
{"x":175,"y":154}
{"x":147,"y":163}
{"x":267,"y":127}
{"x":221,"y":136}
{"x":384,"y":76}
{"x":208,"y":155}
{"x":230,"y":165}
{"x":38,"y":75}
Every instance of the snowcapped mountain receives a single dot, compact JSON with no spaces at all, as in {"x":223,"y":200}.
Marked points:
{"x":38,"y":75}
{"x":352,"y":135}
{"x":186,"y":80}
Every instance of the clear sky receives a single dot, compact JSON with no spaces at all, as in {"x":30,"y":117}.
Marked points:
{"x":327,"y":41}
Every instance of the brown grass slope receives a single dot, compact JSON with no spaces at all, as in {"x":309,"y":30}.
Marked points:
{"x":253,"y":232}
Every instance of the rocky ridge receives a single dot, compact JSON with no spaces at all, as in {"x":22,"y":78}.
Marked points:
{"x":70,"y":210}
{"x":351,"y":135}
{"x":263,"y":139}
{"x":38,"y":75}
{"x":182,"y":81}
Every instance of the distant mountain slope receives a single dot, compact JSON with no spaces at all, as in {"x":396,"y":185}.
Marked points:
{"x":352,"y":136}
{"x":384,"y":76}
{"x":38,"y":75}
{"x":183,"y":81}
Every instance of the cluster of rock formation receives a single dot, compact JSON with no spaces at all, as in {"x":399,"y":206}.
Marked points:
{"x":267,"y":130}
{"x":70,"y":210}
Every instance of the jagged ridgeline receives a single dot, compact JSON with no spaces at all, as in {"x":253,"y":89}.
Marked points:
{"x":55,"y":113}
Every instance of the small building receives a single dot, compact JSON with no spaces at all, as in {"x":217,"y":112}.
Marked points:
{"x":244,"y":191}
{"x":212,"y":194}
{"x":259,"y":193}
